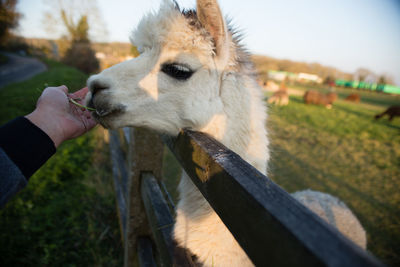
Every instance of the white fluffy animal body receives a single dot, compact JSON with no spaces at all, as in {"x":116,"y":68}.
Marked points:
{"x":191,"y":73}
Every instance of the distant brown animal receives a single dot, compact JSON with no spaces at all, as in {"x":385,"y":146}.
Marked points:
{"x":392,"y":112}
{"x":317,"y":98}
{"x":353,"y":98}
{"x":280,"y":98}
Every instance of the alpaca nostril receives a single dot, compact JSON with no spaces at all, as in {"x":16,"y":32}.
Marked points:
{"x":96,"y":86}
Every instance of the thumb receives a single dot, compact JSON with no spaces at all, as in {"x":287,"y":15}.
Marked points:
{"x":63,"y":88}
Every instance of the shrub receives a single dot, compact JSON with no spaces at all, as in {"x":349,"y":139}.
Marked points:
{"x":81,"y":56}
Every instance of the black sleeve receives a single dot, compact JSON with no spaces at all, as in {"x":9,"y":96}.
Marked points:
{"x":26,"y":145}
{"x":11,"y":179}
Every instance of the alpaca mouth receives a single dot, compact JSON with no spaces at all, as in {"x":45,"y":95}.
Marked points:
{"x":102,"y":113}
{"x":105,"y":113}
{"x":103,"y":110}
{"x":107,"y":117}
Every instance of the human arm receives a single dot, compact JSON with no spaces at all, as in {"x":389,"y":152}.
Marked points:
{"x":28,"y":142}
{"x":11,"y":178}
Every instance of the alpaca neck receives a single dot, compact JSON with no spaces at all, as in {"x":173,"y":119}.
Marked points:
{"x":241,"y":124}
{"x":240,"y":127}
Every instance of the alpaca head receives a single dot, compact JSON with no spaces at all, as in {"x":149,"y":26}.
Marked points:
{"x":175,"y":82}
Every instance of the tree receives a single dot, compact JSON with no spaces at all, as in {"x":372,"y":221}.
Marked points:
{"x":78,"y":32}
{"x":382,"y":80}
{"x":329,"y":80}
{"x":364,"y":75}
{"x":75,"y":18}
{"x":385,"y":79}
{"x":70,"y":18}
{"x":8,"y":18}
{"x":80,"y":54}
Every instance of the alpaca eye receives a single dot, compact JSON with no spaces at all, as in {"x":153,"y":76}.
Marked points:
{"x":177,"y":71}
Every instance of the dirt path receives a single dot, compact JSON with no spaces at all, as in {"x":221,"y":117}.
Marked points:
{"x":19,"y":68}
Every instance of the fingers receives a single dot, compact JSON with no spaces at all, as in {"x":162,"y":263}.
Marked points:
{"x":81,"y":93}
{"x":85,"y":117}
{"x":87,"y":120}
{"x":63,"y":88}
{"x":89,"y":116}
{"x":78,"y":94}
{"x":91,"y":123}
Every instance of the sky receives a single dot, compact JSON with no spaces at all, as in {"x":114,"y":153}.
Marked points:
{"x":346,"y":34}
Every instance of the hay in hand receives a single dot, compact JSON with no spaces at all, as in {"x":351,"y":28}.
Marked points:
{"x":73,"y":101}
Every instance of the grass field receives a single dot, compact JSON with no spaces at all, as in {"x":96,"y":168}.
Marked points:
{"x":345,"y":152}
{"x":66,"y":215}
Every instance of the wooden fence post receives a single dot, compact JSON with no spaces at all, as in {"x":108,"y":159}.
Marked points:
{"x":145,"y":154}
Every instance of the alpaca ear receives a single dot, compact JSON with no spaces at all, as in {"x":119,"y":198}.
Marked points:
{"x":171,"y":3}
{"x":209,"y":14}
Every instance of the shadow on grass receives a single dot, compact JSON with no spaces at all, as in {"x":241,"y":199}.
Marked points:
{"x":387,"y":123}
{"x":364,"y":197}
{"x":391,"y":239}
{"x":381,"y":100}
{"x":296,"y":99}
{"x":351,"y":111}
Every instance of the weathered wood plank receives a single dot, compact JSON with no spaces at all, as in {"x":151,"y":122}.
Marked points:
{"x":271,"y":226}
{"x":120,"y":178}
{"x":127,"y":134}
{"x":145,"y":253}
{"x":168,"y":197}
{"x":158,"y":215}
{"x":145,"y":154}
{"x":161,"y":223}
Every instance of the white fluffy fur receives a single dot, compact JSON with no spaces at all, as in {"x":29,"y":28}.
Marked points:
{"x":221,"y":98}
{"x":336,"y":213}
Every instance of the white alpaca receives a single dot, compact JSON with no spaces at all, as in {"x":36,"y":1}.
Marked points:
{"x":191,"y":73}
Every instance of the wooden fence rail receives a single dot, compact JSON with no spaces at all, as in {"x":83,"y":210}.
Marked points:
{"x":272,"y":227}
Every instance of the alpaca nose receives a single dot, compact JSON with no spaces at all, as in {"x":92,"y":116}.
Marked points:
{"x":96,"y":86}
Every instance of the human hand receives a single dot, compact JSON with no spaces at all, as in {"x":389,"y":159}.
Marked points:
{"x":60,"y":119}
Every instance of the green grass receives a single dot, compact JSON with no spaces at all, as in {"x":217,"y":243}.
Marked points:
{"x":20,"y":98}
{"x":66,"y":215}
{"x":344,"y":152}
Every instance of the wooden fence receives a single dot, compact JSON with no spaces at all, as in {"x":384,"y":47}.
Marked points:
{"x":275,"y":231}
